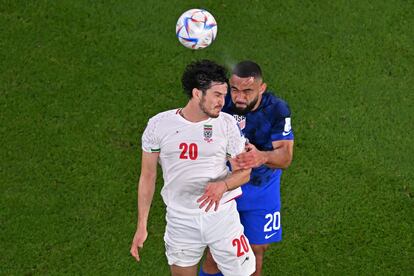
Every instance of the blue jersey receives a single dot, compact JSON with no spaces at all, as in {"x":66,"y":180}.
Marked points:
{"x":269,"y":122}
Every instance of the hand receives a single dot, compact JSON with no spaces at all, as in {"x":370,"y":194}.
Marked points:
{"x":138,"y":242}
{"x":212,"y":195}
{"x":251,"y":158}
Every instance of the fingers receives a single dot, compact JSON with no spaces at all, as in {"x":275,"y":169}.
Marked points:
{"x":212,"y":195}
{"x":243,"y":161}
{"x":137,"y":243}
{"x":245,"y":156}
{"x":217,"y":205}
{"x":203,"y":204}
{"x":134,"y":252}
{"x":210,"y":204}
{"x":203,"y":197}
{"x":249,"y":147}
{"x":207,"y":200}
{"x":247,"y":160}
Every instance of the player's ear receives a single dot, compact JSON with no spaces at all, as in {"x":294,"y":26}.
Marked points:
{"x":263,"y":88}
{"x":197,"y":93}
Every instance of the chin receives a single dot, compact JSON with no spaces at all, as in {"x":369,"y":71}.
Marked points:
{"x":214,"y":115}
{"x":241,"y":111}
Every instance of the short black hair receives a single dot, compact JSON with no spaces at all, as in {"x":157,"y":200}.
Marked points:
{"x":247,"y":69}
{"x":200,"y":74}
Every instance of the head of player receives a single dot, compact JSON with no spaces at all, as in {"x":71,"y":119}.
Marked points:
{"x":205,"y":83}
{"x":246,"y":86}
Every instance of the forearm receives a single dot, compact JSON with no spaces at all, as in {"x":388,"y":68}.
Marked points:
{"x":237,"y":178}
{"x":277,"y":158}
{"x":146,"y":189}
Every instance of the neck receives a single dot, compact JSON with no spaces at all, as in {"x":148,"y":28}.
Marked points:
{"x":192,"y":112}
{"x":259,"y":100}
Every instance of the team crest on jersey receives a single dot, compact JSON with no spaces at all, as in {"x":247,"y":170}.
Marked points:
{"x":208,"y":133}
{"x":241,"y":121}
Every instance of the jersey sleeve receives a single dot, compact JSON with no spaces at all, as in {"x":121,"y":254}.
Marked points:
{"x":236,"y":141}
{"x":150,"y":140}
{"x":281,"y":126}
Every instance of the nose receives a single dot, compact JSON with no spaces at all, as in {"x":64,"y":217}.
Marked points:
{"x":240,"y":97}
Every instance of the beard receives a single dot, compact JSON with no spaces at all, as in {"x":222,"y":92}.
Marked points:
{"x":205,"y":110}
{"x":245,"y":110}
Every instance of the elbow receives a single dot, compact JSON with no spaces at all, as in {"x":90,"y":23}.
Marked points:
{"x":150,"y":176}
{"x":286,"y":162}
{"x":287,"y":159}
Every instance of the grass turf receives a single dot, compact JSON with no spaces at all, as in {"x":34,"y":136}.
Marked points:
{"x":79,"y":79}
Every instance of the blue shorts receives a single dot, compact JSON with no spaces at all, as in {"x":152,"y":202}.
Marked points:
{"x":262,"y":226}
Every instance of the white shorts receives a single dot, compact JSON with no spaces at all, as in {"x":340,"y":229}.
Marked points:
{"x":187,"y":236}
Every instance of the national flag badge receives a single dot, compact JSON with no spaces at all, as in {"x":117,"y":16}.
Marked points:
{"x":208,"y":133}
{"x":241,"y":121}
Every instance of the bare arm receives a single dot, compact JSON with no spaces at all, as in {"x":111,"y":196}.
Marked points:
{"x":238,"y":177}
{"x":146,"y":188}
{"x":280,"y":157}
{"x":214,"y":190}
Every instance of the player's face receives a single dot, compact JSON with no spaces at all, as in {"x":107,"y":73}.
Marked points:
{"x":212,"y":101}
{"x":246,"y":93}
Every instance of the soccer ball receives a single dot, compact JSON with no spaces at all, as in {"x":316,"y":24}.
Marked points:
{"x":196,"y":29}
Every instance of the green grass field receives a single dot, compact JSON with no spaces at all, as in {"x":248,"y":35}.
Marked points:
{"x":79,"y":79}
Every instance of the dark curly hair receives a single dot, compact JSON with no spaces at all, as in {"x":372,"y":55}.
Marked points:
{"x":200,"y":74}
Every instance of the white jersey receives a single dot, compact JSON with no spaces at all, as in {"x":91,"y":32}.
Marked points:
{"x":191,"y":155}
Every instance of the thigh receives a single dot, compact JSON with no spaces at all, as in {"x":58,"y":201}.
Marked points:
{"x":183,"y":243}
{"x":183,"y":271}
{"x":232,"y":251}
{"x":183,"y":255}
{"x":262,"y":226}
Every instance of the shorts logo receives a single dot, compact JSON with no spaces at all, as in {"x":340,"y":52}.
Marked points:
{"x":269,"y":236}
{"x":208,"y":133}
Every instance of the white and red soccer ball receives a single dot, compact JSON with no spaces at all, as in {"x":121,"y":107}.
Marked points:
{"x":196,"y":29}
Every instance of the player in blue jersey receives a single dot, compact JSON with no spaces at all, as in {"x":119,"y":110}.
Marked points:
{"x":265,"y":121}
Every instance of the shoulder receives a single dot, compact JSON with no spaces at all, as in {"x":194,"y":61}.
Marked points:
{"x":157,"y":123}
{"x":275,"y":105}
{"x":227,"y":118}
{"x":230,"y":124}
{"x":162,"y":120}
{"x":163,"y":116}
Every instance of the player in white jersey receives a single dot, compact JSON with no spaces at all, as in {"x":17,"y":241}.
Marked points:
{"x":192,"y":145}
